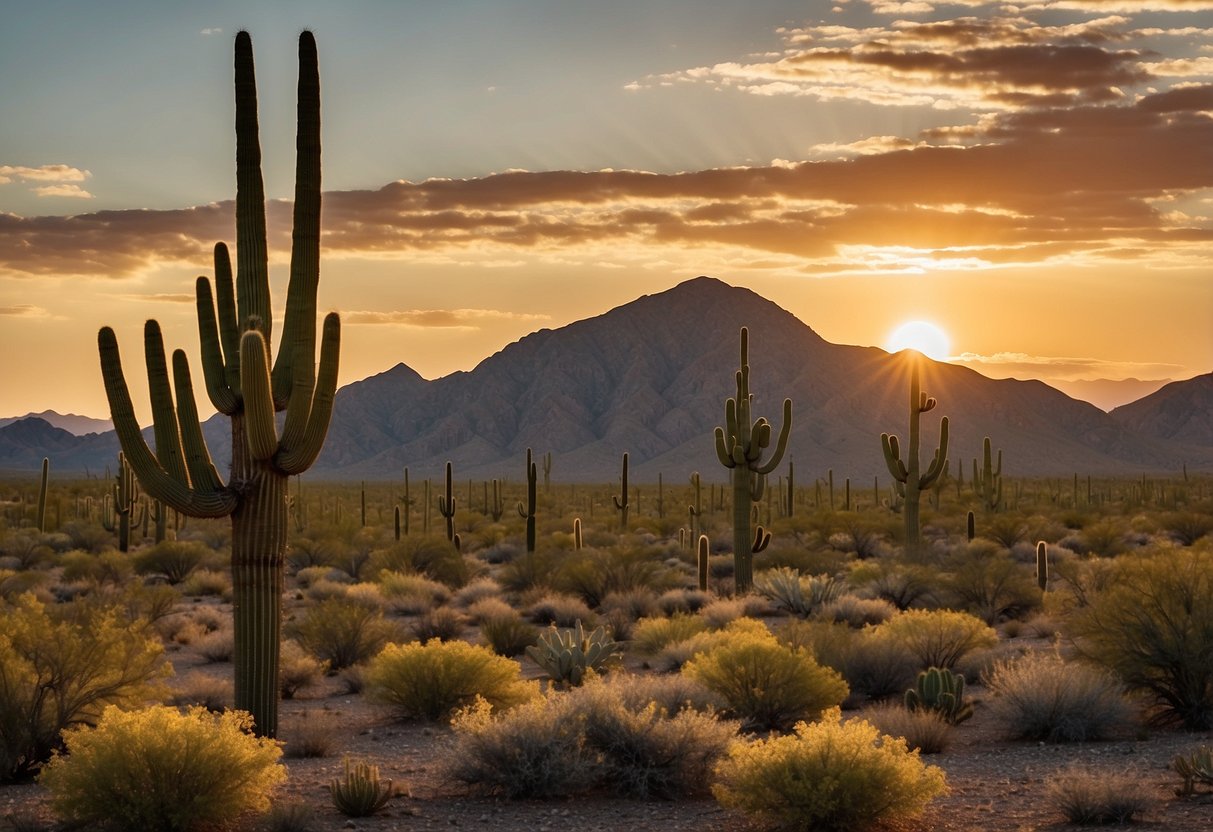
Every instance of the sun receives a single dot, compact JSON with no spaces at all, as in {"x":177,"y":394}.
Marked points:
{"x":923,"y":336}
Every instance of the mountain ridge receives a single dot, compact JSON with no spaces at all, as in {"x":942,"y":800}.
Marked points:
{"x":650,"y":377}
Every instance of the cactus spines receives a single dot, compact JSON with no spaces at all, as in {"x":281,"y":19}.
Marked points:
{"x":987,"y":482}
{"x":908,"y":482}
{"x":1042,"y":565}
{"x":235,"y":329}
{"x":446,"y":505}
{"x":740,"y":445}
{"x":527,"y":512}
{"x":939,"y":689}
{"x":42,"y":487}
{"x":621,"y":499}
{"x":701,"y":562}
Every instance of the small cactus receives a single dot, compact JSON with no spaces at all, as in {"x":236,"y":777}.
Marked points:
{"x":567,"y":655}
{"x":939,"y":689}
{"x":1195,"y":767}
{"x":621,"y":499}
{"x":360,"y":793}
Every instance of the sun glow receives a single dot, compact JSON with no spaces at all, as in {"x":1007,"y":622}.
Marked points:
{"x":923,"y":336}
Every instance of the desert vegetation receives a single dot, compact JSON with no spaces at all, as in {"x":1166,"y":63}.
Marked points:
{"x":840,"y":661}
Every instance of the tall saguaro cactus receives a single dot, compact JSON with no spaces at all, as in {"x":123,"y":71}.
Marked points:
{"x":235,"y":326}
{"x":908,"y":480}
{"x":739,"y":447}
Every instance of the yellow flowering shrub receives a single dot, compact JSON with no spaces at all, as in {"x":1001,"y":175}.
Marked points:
{"x":163,"y":769}
{"x":829,"y":775}
{"x":939,"y":638}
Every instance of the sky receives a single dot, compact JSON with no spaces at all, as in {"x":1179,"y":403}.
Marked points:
{"x":1035,"y":179}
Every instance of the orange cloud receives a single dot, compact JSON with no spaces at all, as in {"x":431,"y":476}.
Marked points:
{"x":437,"y":318}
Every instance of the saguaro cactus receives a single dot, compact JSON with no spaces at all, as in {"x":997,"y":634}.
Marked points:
{"x":987,"y":481}
{"x":446,"y":505}
{"x":621,"y":499}
{"x":739,"y":447}
{"x":908,"y":482}
{"x":235,"y":326}
{"x":527,"y":512}
{"x":40,"y":517}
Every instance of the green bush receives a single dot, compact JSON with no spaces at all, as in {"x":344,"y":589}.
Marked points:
{"x":61,"y":668}
{"x":828,"y":776}
{"x":160,"y":769}
{"x":766,"y":684}
{"x":989,"y":583}
{"x":342,"y":632}
{"x":1040,"y":697}
{"x":430,"y":681}
{"x":172,"y":559}
{"x":652,"y":634}
{"x":939,"y":638}
{"x":434,"y":556}
{"x":1152,"y":625}
{"x":590,"y":738}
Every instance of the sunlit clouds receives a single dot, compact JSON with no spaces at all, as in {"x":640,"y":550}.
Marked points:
{"x":60,"y":180}
{"x":440,"y":318}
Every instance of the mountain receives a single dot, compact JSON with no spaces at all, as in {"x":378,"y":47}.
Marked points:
{"x":651,"y":378}
{"x":1107,"y":393}
{"x":70,"y":422}
{"x":1182,"y":411}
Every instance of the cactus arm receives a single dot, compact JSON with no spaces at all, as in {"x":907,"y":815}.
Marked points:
{"x":164,"y":414}
{"x":299,"y":320}
{"x":781,"y":444}
{"x":892,"y":457}
{"x":939,"y":463}
{"x":203,"y":475}
{"x":213,"y":370}
{"x":723,"y":452}
{"x":229,"y":325}
{"x":252,"y":258}
{"x":259,"y":428}
{"x":297,"y":457}
{"x":157,"y":482}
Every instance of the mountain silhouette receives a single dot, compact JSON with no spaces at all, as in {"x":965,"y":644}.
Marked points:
{"x":651,"y":377}
{"x":1181,"y":411}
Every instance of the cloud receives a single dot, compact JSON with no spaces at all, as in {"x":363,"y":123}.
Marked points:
{"x":162,"y":297}
{"x":68,"y":190}
{"x":1008,"y":364}
{"x":438,"y":318}
{"x":211,"y":31}
{"x":45,"y":173}
{"x":997,"y":62}
{"x":24,"y":311}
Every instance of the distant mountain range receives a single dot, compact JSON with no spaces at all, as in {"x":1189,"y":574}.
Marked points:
{"x":70,"y":422}
{"x":1106,"y":393}
{"x":651,"y":377}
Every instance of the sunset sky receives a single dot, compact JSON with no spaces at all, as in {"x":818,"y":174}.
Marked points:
{"x":1034,"y":178}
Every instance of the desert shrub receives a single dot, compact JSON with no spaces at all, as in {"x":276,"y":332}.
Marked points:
{"x":652,"y":634}
{"x":569,"y":657}
{"x":828,"y":776}
{"x":324,"y":589}
{"x":297,"y":669}
{"x":989,"y":583}
{"x":589,"y":738}
{"x":109,"y":566}
{"x":310,"y":575}
{"x":925,"y":731}
{"x":722,"y":611}
{"x":794,"y":593}
{"x":872,"y":664}
{"x":217,"y":646}
{"x":1095,"y":797}
{"x":633,"y":604}
{"x":433,"y":555}
{"x":939,"y":638}
{"x":486,"y":609}
{"x":202,"y":689}
{"x":766,"y":684}
{"x":342,"y":632}
{"x":674,"y":601}
{"x":1186,"y":527}
{"x":430,"y":681}
{"x":162,"y":769}
{"x":671,"y":693}
{"x":528,"y":570}
{"x":1040,"y":697}
{"x":597,"y":573}
{"x":857,"y":612}
{"x":443,"y":623}
{"x":172,"y":559}
{"x":478,"y":590}
{"x":13,"y":584}
{"x":1004,"y":529}
{"x":1153,"y":626}
{"x":311,"y":734}
{"x":412,"y":594}
{"x":1105,"y":538}
{"x":561,"y":610}
{"x":27,"y":547}
{"x":902,"y":585}
{"x":360,"y":793}
{"x":61,"y":668}
{"x":508,"y":634}
{"x":206,"y":582}
{"x":289,"y":816}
